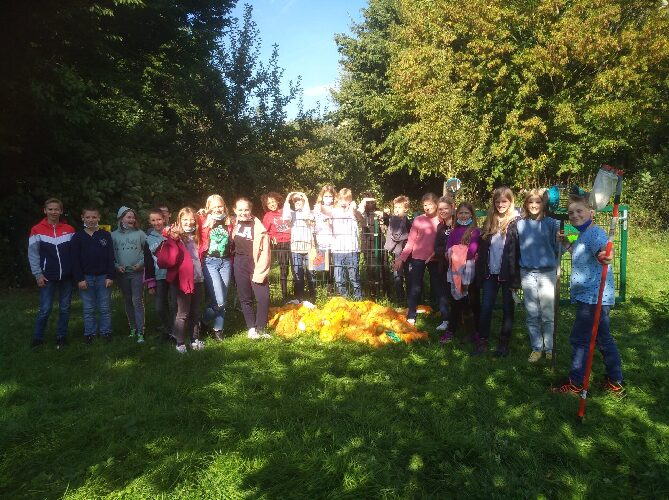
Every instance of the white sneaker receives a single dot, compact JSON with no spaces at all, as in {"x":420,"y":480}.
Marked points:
{"x":181,"y":349}
{"x":442,"y":327}
{"x":253,"y":335}
{"x":411,"y":321}
{"x":264,"y":335}
{"x":197,"y":345}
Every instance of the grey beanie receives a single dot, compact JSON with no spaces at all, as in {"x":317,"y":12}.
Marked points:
{"x":122,"y":211}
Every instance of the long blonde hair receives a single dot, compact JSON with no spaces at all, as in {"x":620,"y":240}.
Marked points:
{"x":210,"y":202}
{"x":177,"y":224}
{"x":494,"y":223}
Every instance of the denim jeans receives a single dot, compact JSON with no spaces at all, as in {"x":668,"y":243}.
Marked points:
{"x":96,"y":298}
{"x":300,"y":269}
{"x":346,"y":264}
{"x":437,"y":286}
{"x":217,"y":273}
{"x":132,"y":288}
{"x":580,"y":343}
{"x":539,"y":300}
{"x":489,"y":288}
{"x":46,"y":296}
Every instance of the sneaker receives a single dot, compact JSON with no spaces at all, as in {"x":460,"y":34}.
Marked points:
{"x":218,"y":335}
{"x":106,"y":337}
{"x":61,"y":342}
{"x":36,"y":343}
{"x":442,"y":327}
{"x":88,"y":339}
{"x":502,"y":350}
{"x":615,"y":387}
{"x":197,"y":345}
{"x":534,"y":356}
{"x":474,"y":338}
{"x":133,"y":332}
{"x":549,"y":355}
{"x":566,"y":387}
{"x":181,"y":349}
{"x":480,"y":348}
{"x":446,"y":338}
{"x":411,"y":321}
{"x":252,"y":334}
{"x":264,"y":335}
{"x":140,"y":338}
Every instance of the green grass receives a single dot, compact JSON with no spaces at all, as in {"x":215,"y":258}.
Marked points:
{"x":302,"y":419}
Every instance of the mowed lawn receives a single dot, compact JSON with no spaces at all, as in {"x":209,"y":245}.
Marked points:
{"x":302,"y":419}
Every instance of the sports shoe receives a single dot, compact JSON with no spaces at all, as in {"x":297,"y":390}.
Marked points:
{"x":181,"y":349}
{"x":480,"y":348}
{"x":442,"y":327}
{"x":615,"y":387}
{"x":446,"y":337}
{"x":252,"y":334}
{"x":549,"y":355}
{"x":264,"y":335}
{"x":133,"y":332}
{"x":88,"y":339}
{"x":61,"y":342}
{"x":218,"y":335}
{"x":411,"y":321}
{"x":502,"y":350}
{"x":197,"y":345}
{"x":36,"y":343}
{"x":534,"y":356}
{"x":106,"y":337}
{"x":566,"y":387}
{"x":140,"y":338}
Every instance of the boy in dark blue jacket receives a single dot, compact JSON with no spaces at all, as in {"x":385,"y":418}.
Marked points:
{"x":50,"y":260}
{"x":93,"y":270}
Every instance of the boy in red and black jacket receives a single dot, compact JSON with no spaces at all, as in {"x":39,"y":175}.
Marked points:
{"x":49,"y":254}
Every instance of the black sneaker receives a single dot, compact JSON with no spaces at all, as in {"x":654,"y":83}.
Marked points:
{"x":88,"y":339}
{"x":36,"y":343}
{"x":615,"y":387}
{"x":61,"y":342}
{"x":107,"y":338}
{"x":566,"y":387}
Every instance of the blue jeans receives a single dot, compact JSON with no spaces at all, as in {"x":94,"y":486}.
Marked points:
{"x":300,"y":268}
{"x":46,"y":295}
{"x":96,"y":297}
{"x":217,"y":273}
{"x":132,"y":289}
{"x":347,"y":264}
{"x":437,"y":286}
{"x":580,"y":343}
{"x":489,"y":288}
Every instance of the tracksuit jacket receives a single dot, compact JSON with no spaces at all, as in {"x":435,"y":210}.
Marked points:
{"x":50,"y":250}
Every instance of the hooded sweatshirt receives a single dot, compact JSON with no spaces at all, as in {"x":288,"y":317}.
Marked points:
{"x":128,"y":246}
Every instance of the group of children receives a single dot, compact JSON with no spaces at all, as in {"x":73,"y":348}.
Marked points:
{"x":468,"y":266}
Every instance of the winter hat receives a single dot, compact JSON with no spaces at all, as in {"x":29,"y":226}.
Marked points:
{"x":122,"y":211}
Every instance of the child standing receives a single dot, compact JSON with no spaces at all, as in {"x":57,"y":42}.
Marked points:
{"x":129,"y":243}
{"x":419,"y":252}
{"x":214,"y":238}
{"x":588,"y":255}
{"x":346,"y":244}
{"x":180,"y":255}
{"x":397,"y":235}
{"x":301,"y":240}
{"x":539,"y":258}
{"x":93,"y":270}
{"x":155,"y":276}
{"x":445,"y":212}
{"x":49,"y":254}
{"x":497,"y":267}
{"x":463,"y":292}
{"x":253,"y":257}
{"x":279,"y":233}
{"x":323,"y":216}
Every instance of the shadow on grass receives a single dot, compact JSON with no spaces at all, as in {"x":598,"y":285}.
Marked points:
{"x":302,"y":419}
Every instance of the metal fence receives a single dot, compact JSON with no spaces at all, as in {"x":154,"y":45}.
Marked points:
{"x":372,"y":265}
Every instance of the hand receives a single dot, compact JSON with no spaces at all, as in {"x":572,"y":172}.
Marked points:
{"x":41,"y":281}
{"x":83,"y":285}
{"x":120,"y":269}
{"x":152,"y":291}
{"x":273,"y":240}
{"x":174,"y":232}
{"x":603,"y":259}
{"x":397,"y":264}
{"x":108,"y":283}
{"x":201,"y":211}
{"x":137,"y":267}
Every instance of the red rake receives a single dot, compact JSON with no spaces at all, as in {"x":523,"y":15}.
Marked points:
{"x":605,"y":175}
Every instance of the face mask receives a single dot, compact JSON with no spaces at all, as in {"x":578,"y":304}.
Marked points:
{"x":125,"y":226}
{"x":465,"y":222}
{"x":92,"y":225}
{"x":188,"y":231}
{"x":583,"y":226}
{"x":327,"y":201}
{"x":218,"y":217}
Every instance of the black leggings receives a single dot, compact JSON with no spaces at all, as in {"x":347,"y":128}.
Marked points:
{"x":247,"y":290}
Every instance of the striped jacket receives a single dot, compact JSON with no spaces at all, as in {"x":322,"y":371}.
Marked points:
{"x":49,"y":250}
